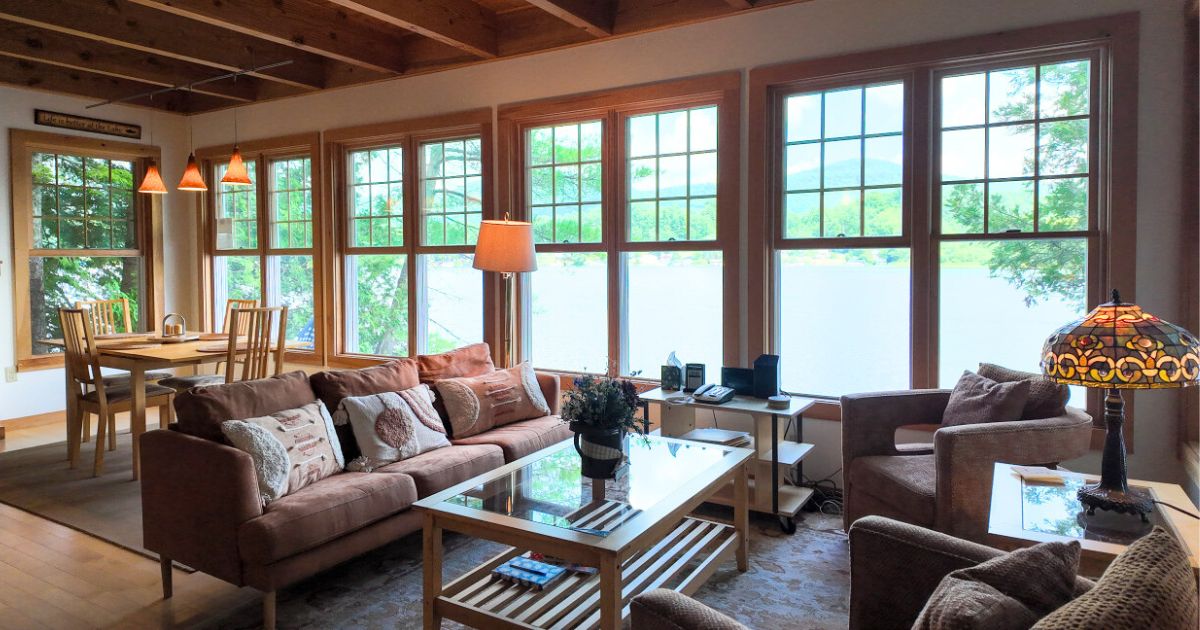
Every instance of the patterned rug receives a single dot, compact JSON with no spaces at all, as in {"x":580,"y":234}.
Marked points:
{"x":798,"y":581}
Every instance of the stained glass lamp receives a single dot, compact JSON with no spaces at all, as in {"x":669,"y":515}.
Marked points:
{"x":1119,"y":346}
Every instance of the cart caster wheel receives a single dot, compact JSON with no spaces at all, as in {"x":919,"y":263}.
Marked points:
{"x":787,"y":524}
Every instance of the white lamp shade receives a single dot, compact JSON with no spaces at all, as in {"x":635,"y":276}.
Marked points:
{"x":505,"y":247}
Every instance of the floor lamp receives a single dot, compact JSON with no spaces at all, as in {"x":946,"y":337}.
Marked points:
{"x":506,"y":247}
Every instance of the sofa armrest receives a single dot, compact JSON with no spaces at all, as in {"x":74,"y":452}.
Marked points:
{"x":869,"y":421}
{"x":665,"y":609}
{"x":894,"y":568}
{"x":195,"y":495}
{"x":551,"y":389}
{"x":966,"y":456}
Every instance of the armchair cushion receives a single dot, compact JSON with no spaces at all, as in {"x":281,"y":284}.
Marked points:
{"x":1150,"y":585}
{"x":665,"y":609}
{"x":1046,"y":398}
{"x":905,"y":486}
{"x":1009,"y":591}
{"x":977,"y":399}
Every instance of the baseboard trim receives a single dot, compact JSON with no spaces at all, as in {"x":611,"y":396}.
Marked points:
{"x":35,"y":420}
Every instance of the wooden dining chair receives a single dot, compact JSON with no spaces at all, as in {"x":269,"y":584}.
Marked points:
{"x":266,"y":339}
{"x":107,"y":316}
{"x":93,"y":395}
{"x":232,"y":304}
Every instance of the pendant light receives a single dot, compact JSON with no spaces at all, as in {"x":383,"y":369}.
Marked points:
{"x":192,"y":179}
{"x":152,"y":183}
{"x":235,"y":173}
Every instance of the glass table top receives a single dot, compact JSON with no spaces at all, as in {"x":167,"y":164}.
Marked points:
{"x":552,"y":490}
{"x":1053,"y":509}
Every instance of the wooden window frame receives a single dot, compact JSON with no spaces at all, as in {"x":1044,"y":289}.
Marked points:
{"x":263,"y":152}
{"x":22,"y":144}
{"x":1113,"y":169}
{"x":410,"y":134}
{"x":614,"y":107}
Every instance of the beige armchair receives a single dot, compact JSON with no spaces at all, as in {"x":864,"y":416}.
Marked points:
{"x":946,"y":488}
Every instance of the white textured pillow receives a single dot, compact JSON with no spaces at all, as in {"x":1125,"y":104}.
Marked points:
{"x":271,"y":461}
{"x":393,"y":426}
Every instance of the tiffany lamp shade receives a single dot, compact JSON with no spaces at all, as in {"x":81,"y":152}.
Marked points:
{"x":1119,"y":346}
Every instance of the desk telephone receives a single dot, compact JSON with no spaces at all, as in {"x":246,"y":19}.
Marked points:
{"x":713,"y":394}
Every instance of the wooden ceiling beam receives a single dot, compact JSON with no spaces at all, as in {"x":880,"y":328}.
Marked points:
{"x":44,"y":76}
{"x":313,"y":27}
{"x":593,"y":16}
{"x":462,"y":24}
{"x":122,"y":24}
{"x":27,"y":42}
{"x":740,"y":4}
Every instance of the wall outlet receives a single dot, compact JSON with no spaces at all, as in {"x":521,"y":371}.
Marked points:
{"x":10,"y":374}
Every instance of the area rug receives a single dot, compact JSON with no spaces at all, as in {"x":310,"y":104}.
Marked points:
{"x":108,"y":507}
{"x":797,"y":581}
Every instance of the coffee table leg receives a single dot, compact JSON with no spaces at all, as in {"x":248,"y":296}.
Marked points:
{"x":432,"y":560}
{"x":610,"y":593}
{"x":741,"y":516}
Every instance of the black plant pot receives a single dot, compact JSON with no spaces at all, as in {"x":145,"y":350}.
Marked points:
{"x":600,"y":450}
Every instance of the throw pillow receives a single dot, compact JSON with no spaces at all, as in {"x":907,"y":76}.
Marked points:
{"x":332,"y":386}
{"x":1047,"y":399}
{"x":395,"y":425}
{"x":479,"y":403}
{"x":977,"y":399}
{"x":1150,"y":585}
{"x":472,"y":360}
{"x":1009,"y":591}
{"x":266,"y":451}
{"x":308,"y":438}
{"x":200,"y":411}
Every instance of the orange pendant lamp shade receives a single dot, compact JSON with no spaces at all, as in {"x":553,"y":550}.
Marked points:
{"x":152,"y":182}
{"x":235,"y":173}
{"x":192,"y":180}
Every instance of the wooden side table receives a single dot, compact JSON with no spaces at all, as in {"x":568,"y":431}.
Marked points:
{"x":1024,"y":513}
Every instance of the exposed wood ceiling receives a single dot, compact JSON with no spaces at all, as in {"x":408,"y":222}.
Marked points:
{"x":110,"y":49}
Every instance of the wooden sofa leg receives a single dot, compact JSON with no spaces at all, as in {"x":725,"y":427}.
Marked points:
{"x":165,"y":564}
{"x":269,"y":610}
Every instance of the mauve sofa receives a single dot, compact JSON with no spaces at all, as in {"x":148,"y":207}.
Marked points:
{"x":200,"y":499}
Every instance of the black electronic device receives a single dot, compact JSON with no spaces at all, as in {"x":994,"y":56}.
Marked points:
{"x":693,"y":376}
{"x":766,"y":376}
{"x":740,"y":379}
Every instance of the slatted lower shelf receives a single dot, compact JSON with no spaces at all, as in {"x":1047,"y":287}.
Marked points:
{"x":682,"y":560}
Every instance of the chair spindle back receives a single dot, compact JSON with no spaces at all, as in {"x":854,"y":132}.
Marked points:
{"x":259,"y":347}
{"x":232,"y":304}
{"x":107,"y":315}
{"x":82,"y":357}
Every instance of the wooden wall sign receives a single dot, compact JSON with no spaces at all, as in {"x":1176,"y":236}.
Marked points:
{"x":83,"y":123}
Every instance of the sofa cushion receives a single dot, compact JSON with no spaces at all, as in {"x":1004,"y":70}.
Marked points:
{"x":475,"y":404}
{"x":1009,"y":591}
{"x":976,"y":399}
{"x":1150,"y":585}
{"x":522,"y":438}
{"x":437,"y":470}
{"x":1047,"y":399}
{"x":324,"y":511}
{"x":334,"y":385}
{"x":908,"y":484}
{"x":471,"y":360}
{"x":201,"y":410}
{"x":304,"y":436}
{"x":392,"y":426}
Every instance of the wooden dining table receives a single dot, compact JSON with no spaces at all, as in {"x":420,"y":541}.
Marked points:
{"x":139,"y":360}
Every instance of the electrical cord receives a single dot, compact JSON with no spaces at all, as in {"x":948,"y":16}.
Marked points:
{"x":1178,"y":509}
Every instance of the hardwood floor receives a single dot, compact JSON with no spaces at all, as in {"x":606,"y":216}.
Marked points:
{"x":52,"y":576}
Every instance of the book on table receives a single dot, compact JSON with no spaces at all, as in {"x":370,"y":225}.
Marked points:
{"x":718,"y":436}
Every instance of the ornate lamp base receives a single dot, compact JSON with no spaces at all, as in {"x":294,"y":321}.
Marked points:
{"x":1095,"y":497}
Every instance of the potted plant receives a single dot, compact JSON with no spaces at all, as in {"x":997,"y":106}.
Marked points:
{"x":600,"y":412}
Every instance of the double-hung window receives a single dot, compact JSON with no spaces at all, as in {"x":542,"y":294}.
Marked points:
{"x":81,"y":232}
{"x":931,"y":211}
{"x":634,"y":227}
{"x":265,"y":237}
{"x":411,"y":200}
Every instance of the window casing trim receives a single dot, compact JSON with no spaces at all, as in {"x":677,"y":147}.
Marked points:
{"x":22,"y":144}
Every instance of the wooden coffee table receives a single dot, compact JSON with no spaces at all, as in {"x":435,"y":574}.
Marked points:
{"x":636,"y":530}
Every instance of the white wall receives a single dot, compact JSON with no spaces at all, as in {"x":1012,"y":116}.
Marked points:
{"x":41,"y":391}
{"x":810,"y":30}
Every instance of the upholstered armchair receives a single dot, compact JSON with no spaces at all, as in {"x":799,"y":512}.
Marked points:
{"x":947,"y":487}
